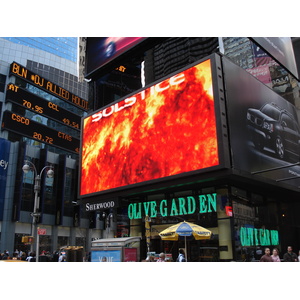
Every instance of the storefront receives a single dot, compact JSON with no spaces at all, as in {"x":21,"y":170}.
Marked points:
{"x":243,"y":222}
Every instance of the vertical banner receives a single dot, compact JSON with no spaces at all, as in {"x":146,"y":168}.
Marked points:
{"x":4,"y":158}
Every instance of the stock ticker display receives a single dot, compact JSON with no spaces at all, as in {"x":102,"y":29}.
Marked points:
{"x":35,"y":121}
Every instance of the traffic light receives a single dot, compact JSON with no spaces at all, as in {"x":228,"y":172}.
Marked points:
{"x":27,"y":239}
{"x":24,"y":239}
{"x":30,"y":239}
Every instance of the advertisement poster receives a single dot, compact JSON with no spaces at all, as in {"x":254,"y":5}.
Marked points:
{"x":281,"y":48}
{"x":130,"y":254}
{"x":106,"y":256}
{"x":264,"y":128}
{"x":4,"y":158}
{"x":167,"y":129}
{"x":262,"y":73}
{"x":101,"y":50}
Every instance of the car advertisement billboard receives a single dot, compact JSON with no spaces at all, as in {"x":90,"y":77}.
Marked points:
{"x":102,"y":50}
{"x":264,"y":128}
{"x":168,"y":129}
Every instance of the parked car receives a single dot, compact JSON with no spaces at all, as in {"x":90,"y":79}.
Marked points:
{"x":275,"y":128}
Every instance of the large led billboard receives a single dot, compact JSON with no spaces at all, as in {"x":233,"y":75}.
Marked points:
{"x":167,"y":129}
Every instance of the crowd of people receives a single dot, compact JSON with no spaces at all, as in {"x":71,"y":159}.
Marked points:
{"x":162,"y":257}
{"x":289,"y":256}
{"x":56,"y":256}
{"x":30,"y":256}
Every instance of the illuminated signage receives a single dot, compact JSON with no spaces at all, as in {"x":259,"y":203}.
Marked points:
{"x":48,"y":86}
{"x":228,"y":211}
{"x":164,"y":130}
{"x":41,"y":106}
{"x":258,"y":237}
{"x":37,"y":131}
{"x":176,"y":207}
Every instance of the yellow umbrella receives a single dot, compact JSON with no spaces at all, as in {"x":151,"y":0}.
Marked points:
{"x":185,"y":229}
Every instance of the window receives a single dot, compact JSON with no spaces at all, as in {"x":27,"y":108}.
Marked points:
{"x":2,"y":83}
{"x":288,"y":121}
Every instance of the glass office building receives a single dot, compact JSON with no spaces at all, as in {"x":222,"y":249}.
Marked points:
{"x":53,"y":61}
{"x":65,"y":47}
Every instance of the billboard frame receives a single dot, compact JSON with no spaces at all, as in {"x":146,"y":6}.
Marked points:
{"x":257,"y":159}
{"x":221,"y":130}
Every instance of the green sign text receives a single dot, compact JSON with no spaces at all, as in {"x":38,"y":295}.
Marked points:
{"x":258,"y":237}
{"x":176,"y":207}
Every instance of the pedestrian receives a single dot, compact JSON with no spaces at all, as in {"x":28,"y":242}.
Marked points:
{"x":23,"y":257}
{"x":290,"y":256}
{"x":299,"y":256}
{"x":275,"y":255}
{"x":161,"y":257}
{"x":33,"y":258}
{"x":266,"y":257}
{"x":62,"y":257}
{"x":55,"y":256}
{"x":181,"y":256}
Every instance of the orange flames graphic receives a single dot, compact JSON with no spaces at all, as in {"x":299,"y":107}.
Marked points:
{"x":167,"y":129}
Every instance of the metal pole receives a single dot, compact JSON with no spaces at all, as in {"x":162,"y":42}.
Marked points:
{"x":185,"y":249}
{"x":37,"y":188}
{"x":36,"y":214}
{"x":34,"y":217}
{"x":37,"y":244}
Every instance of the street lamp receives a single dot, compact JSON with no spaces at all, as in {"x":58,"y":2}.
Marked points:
{"x":37,"y":188}
{"x":108,"y":218}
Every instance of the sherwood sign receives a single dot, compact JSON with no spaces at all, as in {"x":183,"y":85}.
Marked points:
{"x":101,"y":205}
{"x":176,"y":207}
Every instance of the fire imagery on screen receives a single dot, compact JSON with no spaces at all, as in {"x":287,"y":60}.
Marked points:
{"x":166,"y":129}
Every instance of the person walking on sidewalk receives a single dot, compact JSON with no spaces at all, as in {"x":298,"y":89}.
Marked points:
{"x":181,"y":257}
{"x":275,"y":255}
{"x":162,"y":257}
{"x":290,"y":256}
{"x":266,"y":257}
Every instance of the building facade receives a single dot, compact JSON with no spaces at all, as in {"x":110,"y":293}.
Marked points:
{"x":227,"y":106}
{"x":41,"y":103}
{"x":204,"y":130}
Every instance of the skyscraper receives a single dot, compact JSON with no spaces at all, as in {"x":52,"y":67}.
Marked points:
{"x":48,"y":98}
{"x":65,"y":47}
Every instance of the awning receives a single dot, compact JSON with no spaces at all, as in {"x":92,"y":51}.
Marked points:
{"x":115,"y":242}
